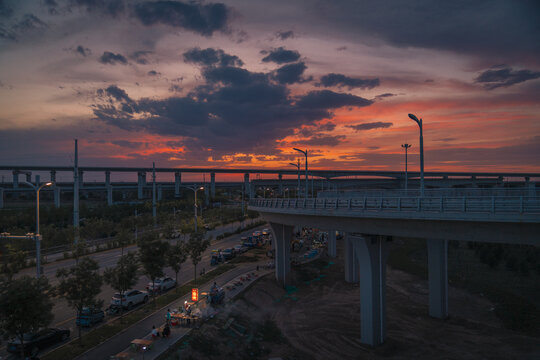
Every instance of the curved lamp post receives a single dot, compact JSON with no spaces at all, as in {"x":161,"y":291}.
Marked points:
{"x":298,"y":168}
{"x":195,"y":188}
{"x":305,"y":154}
{"x":406,"y":146}
{"x":37,"y":189}
{"x":419,"y":122}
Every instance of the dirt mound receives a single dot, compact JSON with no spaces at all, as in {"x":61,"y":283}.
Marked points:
{"x":319,"y":318}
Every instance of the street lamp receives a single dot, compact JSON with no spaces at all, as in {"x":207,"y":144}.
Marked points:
{"x":195,"y":188}
{"x":37,"y":189}
{"x":305,"y":154}
{"x":406,"y":146}
{"x":298,"y":168}
{"x":419,"y":122}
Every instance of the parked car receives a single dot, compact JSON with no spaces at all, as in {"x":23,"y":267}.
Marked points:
{"x":33,"y":343}
{"x":239,"y":249}
{"x":129,"y":299}
{"x":89,"y":316}
{"x":216,"y":258}
{"x":228,"y":254}
{"x":161,"y":284}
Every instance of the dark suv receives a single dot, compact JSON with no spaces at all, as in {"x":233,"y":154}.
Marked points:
{"x":33,"y":343}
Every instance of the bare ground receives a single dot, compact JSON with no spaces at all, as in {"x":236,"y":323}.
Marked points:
{"x":321,"y":320}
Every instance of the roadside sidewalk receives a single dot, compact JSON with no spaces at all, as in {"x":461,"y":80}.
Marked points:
{"x":141,"y":330}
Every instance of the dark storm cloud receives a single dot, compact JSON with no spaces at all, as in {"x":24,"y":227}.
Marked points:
{"x":113,"y":59}
{"x":82,"y":50}
{"x":504,"y":76}
{"x":153,"y":73}
{"x":115,"y":92}
{"x":51,"y":6}
{"x":175,"y":88}
{"x":340,"y":80}
{"x":5,"y":9}
{"x":316,"y":130}
{"x":283,"y":35}
{"x":384,"y":96}
{"x":290,"y":74}
{"x":127,"y":144}
{"x":235,"y":111}
{"x":326,"y":99}
{"x":140,"y":57}
{"x":321,"y":140}
{"x":281,"y":56}
{"x":210,"y":57}
{"x":6,"y":34}
{"x":204,"y":19}
{"x":109,"y":7}
{"x":497,"y":28}
{"x":29,"y":22}
{"x":370,"y":126}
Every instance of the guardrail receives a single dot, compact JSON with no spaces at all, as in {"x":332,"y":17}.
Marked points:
{"x":442,"y":204}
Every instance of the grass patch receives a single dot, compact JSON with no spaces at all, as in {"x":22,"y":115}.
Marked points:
{"x":106,"y":331}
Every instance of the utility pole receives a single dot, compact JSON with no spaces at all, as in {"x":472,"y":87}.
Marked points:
{"x":76,"y":193}
{"x":154,"y":193}
{"x":406,"y":146}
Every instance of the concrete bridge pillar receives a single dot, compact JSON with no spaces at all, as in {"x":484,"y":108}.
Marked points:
{"x":159,"y":192}
{"x":141,"y":182}
{"x":332,"y":243}
{"x":1,"y":198}
{"x":15,"y":179}
{"x":107,"y":178}
{"x":212,"y":185}
{"x":53,"y":176}
{"x":56,"y":197}
{"x":474,"y":184}
{"x":81,"y":178}
{"x":246,"y":185}
{"x":29,"y":177}
{"x":109,"y":195}
{"x":280,"y":178}
{"x":372,"y":252}
{"x":438,"y":278}
{"x":282,"y":240}
{"x":38,"y":180}
{"x":351,"y":261}
{"x":177,"y":183}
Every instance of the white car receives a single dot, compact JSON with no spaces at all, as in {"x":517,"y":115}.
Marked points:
{"x":129,"y":299}
{"x":161,"y":284}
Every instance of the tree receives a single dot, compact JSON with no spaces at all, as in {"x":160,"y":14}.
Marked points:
{"x":13,"y":261}
{"x":195,"y":247}
{"x":152,"y":255}
{"x":80,"y":285}
{"x":124,"y":239}
{"x":123,"y":276}
{"x":176,"y":256}
{"x":25,"y":306}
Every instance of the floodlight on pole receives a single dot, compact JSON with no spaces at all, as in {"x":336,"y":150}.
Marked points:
{"x":37,"y":235}
{"x":306,"y":155}
{"x":298,"y":168}
{"x":419,"y":122}
{"x":406,"y":146}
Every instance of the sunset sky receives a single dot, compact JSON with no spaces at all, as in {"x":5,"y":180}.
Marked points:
{"x":240,"y":83}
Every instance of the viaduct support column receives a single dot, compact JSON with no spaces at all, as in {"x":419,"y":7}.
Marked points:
{"x":53,"y":176}
{"x":56,"y":197}
{"x":372,"y":252}
{"x":109,"y":188}
{"x":15,"y":179}
{"x":177,"y":183}
{"x":213,"y":185}
{"x":438,"y":278}
{"x":332,"y":243}
{"x":29,"y":177}
{"x":159,"y":192}
{"x":1,"y":198}
{"x":351,"y":261}
{"x":283,"y":235}
{"x":140,"y":184}
{"x":246,"y":185}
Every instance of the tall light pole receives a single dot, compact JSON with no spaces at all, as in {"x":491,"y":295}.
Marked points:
{"x":154,"y":212}
{"x":306,"y":155}
{"x":37,"y":189}
{"x":419,"y":122}
{"x":298,"y":168}
{"x":195,"y":188}
{"x":406,"y":146}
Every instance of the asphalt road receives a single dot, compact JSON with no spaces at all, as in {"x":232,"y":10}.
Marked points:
{"x":64,"y":316}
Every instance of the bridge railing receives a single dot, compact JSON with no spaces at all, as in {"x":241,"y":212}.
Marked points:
{"x":442,"y":204}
